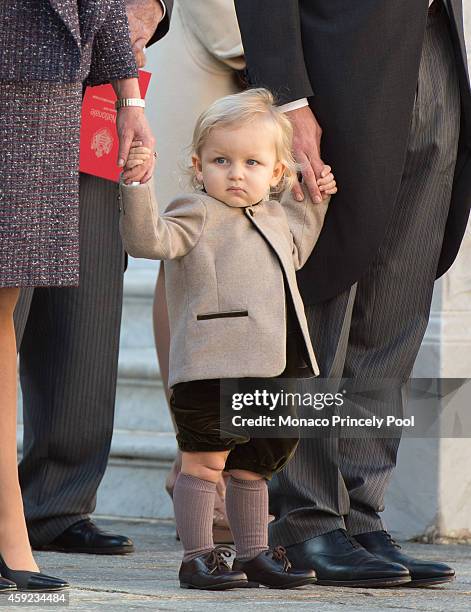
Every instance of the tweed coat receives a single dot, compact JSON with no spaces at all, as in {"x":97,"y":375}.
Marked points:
{"x":226,"y":270}
{"x":65,"y":41}
{"x":357,"y":62}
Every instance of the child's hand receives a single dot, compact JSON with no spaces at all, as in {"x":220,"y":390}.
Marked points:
{"x":326,"y":183}
{"x":137,"y":156}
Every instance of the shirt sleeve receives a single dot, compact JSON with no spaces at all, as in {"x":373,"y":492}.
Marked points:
{"x":164,"y":24}
{"x":291,"y":106}
{"x":164,"y":9}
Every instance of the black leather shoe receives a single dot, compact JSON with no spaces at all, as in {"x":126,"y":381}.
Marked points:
{"x":273,"y":569}
{"x":6,"y":585}
{"x":211,"y":572}
{"x":339,"y":560}
{"x":31,"y":581}
{"x":86,"y":537}
{"x":423,"y":573}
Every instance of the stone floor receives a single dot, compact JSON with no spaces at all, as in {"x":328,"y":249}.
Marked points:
{"x":147,"y":580}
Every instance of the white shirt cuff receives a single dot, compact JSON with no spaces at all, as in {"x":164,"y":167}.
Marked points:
{"x":290,"y":106}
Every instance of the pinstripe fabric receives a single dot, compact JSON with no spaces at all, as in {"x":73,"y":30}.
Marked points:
{"x":68,"y":367}
{"x":341,"y":483}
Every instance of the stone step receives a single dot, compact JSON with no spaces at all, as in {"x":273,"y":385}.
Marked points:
{"x":134,"y":482}
{"x":136,"y":327}
{"x":140,"y":399}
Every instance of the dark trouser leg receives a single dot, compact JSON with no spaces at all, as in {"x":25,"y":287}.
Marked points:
{"x":392,"y":307}
{"x":68,"y":368}
{"x":389,"y":318}
{"x":308,"y":496}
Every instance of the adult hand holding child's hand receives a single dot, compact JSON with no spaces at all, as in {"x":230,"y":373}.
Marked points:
{"x":132,"y":126}
{"x":307,"y":135}
{"x":138,"y":155}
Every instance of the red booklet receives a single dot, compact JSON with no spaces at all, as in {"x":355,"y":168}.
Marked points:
{"x":98,"y":135}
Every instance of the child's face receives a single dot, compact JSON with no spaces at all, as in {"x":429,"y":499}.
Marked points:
{"x":238,"y":165}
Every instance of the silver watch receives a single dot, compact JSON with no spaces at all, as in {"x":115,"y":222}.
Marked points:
{"x":123,"y":102}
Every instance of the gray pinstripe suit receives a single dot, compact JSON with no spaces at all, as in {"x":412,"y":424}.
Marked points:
{"x":390,"y":231}
{"x":374,"y":330}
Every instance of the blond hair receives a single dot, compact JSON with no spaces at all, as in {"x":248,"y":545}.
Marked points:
{"x":242,"y":108}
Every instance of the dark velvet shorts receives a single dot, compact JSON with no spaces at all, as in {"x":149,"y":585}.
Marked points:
{"x":196,"y":409}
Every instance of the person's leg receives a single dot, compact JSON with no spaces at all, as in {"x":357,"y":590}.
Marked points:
{"x":21,"y":314}
{"x":200,"y":78}
{"x":203,"y":566}
{"x":195,"y":407}
{"x":396,"y":292}
{"x":308,"y":497}
{"x":193,"y":499}
{"x":250,"y":465}
{"x":68,"y":365}
{"x":393,"y":300}
{"x":247,"y":511}
{"x":14,"y":544}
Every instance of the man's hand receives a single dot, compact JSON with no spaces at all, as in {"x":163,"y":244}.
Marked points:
{"x":307,"y":135}
{"x":144,"y":17}
{"x":132,"y":125}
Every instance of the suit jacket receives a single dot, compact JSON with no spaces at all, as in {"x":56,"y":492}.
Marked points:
{"x":358,"y":63}
{"x":65,"y":41}
{"x":225,"y":273}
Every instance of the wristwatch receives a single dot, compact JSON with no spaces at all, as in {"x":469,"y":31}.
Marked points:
{"x":123,"y":102}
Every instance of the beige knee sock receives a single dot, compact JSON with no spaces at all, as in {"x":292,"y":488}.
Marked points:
{"x":247,"y":511}
{"x":193,"y":501}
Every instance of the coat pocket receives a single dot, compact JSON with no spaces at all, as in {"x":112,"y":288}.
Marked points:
{"x":222,"y":315}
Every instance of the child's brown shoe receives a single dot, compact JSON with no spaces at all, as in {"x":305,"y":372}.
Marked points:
{"x":210,"y":571}
{"x":272,"y":569}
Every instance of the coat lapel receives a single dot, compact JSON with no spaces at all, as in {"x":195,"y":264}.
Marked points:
{"x":67,"y":10}
{"x":286,"y":261}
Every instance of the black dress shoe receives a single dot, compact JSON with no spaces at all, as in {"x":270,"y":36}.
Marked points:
{"x":211,"y":572}
{"x":31,"y":581}
{"x":6,"y":585}
{"x":86,"y":537}
{"x":273,"y":569}
{"x":339,"y":560}
{"x":423,"y":573}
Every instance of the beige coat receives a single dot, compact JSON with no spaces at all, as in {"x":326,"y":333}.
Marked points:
{"x":224,"y":282}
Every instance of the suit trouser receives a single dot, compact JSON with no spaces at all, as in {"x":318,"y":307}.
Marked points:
{"x":374,"y":330}
{"x":68,"y":341}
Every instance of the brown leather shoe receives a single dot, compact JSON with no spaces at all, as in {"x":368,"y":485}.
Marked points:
{"x":273,"y":569}
{"x":211,"y":572}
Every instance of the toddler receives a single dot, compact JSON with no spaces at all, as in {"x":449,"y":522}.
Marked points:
{"x":231,"y":255}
